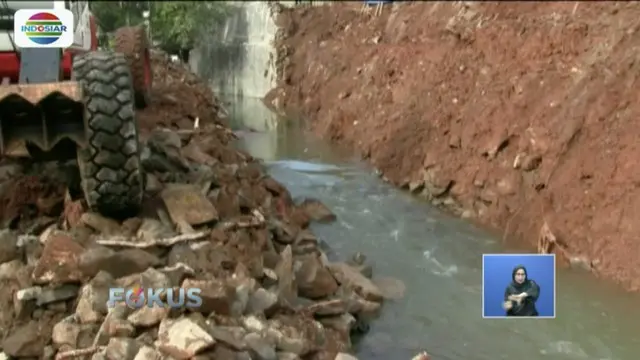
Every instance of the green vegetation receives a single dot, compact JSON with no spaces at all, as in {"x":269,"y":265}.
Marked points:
{"x":175,"y":25}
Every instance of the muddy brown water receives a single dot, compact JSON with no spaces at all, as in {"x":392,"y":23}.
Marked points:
{"x":438,"y":258}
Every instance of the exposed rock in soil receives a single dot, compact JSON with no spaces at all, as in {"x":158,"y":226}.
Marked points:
{"x":212,"y":220}
{"x":519,"y":116}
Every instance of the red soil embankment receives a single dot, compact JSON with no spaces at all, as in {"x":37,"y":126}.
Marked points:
{"x":518,"y":115}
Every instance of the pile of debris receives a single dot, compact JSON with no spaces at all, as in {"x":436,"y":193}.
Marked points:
{"x":180,"y":98}
{"x":212,"y":220}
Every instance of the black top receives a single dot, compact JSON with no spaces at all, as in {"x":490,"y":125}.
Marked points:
{"x":527,"y":307}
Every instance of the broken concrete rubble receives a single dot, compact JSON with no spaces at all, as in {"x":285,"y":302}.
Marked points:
{"x":212,"y":220}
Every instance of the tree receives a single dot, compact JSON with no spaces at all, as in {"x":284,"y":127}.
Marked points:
{"x":112,"y":15}
{"x":178,"y":24}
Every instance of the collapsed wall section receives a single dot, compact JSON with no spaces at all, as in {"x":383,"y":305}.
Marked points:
{"x":237,"y":60}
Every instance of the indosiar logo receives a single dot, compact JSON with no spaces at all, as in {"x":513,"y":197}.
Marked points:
{"x":51,"y":28}
{"x":137,"y":297}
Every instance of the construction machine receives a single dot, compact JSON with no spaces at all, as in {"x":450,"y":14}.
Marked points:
{"x":78,"y":102}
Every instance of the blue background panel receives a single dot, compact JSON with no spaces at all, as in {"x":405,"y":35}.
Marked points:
{"x":497,"y":271}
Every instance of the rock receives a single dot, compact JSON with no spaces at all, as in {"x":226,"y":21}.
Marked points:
{"x":270,"y":277}
{"x":186,"y":203}
{"x":152,"y":229}
{"x":206,"y":257}
{"x":10,"y":170}
{"x":167,"y":143}
{"x":284,"y":270}
{"x":153,"y":185}
{"x":92,"y":303}
{"x":148,"y":316}
{"x":343,"y":323}
{"x":365,"y":269}
{"x":287,"y":356}
{"x":47,"y":354}
{"x":531,"y":162}
{"x":416,"y":186}
{"x":317,"y":211}
{"x":119,"y":328}
{"x":244,"y":288}
{"x":95,"y":259}
{"x":177,"y":273}
{"x":101,"y":224}
{"x":284,"y":232}
{"x":27,"y":340}
{"x":148,"y":353}
{"x":232,"y":336}
{"x":391,"y":288}
{"x":69,"y":334}
{"x":510,"y":184}
{"x":358,"y":262}
{"x":157,"y":162}
{"x":362,"y":308}
{"x":59,"y":262}
{"x":357,"y":258}
{"x":345,"y":356}
{"x":273,"y":186}
{"x":260,"y":348}
{"x":130,"y":261}
{"x":270,"y":258}
{"x":422,"y":356}
{"x":313,"y":280}
{"x":227,"y":203}
{"x":39,"y":225}
{"x":261,"y":301}
{"x":254,"y":324}
{"x":25,"y":302}
{"x":305,"y":243}
{"x":130,"y":226}
{"x":217,"y":296}
{"x":56,"y":294}
{"x":221,"y":352}
{"x":44,"y":296}
{"x":328,"y":307}
{"x":580,"y":262}
{"x":298,"y":335}
{"x":150,"y":278}
{"x":8,"y":246}
{"x":72,"y":213}
{"x":351,"y":278}
{"x":111,"y":323}
{"x":120,"y":348}
{"x":182,"y":338}
{"x":32,"y":249}
{"x":11,"y":269}
{"x":194,"y":153}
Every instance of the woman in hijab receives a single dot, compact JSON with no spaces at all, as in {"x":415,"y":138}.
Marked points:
{"x":521,"y":295}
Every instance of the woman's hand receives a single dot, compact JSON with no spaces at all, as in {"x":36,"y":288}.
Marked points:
{"x":507,"y":305}
{"x":515,"y":298}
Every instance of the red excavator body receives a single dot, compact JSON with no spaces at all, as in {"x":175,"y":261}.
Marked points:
{"x":76,"y":101}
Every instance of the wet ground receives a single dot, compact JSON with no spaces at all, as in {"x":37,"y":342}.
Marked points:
{"x":439,"y":259}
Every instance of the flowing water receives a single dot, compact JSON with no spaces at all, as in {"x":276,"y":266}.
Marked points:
{"x":439,"y":259}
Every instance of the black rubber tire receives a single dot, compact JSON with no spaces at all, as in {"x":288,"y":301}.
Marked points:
{"x":132,"y":42}
{"x":110,"y":166}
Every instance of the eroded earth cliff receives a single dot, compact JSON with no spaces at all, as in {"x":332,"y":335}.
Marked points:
{"x":522,"y":116}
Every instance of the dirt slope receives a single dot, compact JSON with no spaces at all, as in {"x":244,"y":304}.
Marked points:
{"x":516,"y":115}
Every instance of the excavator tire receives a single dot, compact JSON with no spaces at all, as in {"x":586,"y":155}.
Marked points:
{"x":132,"y":42}
{"x":110,"y":168}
